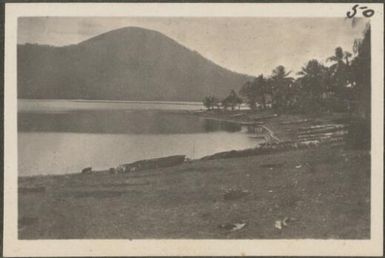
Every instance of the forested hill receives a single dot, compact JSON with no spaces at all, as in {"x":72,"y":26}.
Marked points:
{"x":125,"y":64}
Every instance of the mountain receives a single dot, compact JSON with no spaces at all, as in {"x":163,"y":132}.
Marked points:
{"x":126,"y":64}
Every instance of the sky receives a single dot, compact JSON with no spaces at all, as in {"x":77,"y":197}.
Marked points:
{"x":246,"y":45}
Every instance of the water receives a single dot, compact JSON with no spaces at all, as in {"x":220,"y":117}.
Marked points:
{"x":61,"y":136}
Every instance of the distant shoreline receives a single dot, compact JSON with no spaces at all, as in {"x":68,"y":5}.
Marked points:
{"x":121,"y":101}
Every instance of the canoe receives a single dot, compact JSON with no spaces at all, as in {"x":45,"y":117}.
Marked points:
{"x":153,"y":163}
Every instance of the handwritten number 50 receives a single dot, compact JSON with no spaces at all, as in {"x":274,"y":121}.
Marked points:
{"x":367,"y":13}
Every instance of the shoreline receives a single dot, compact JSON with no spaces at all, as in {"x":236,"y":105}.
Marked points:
{"x":305,"y":185}
{"x":267,"y":139}
{"x":245,"y":121}
{"x":245,"y":118}
{"x":195,"y":103}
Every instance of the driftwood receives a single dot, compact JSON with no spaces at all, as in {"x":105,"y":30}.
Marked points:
{"x":152,"y":163}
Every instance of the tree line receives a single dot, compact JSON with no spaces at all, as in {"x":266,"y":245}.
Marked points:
{"x":341,"y":86}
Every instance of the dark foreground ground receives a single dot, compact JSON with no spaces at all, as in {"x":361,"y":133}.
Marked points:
{"x":321,"y":192}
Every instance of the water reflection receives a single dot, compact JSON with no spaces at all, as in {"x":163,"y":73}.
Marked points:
{"x":120,"y":122}
{"x":214,"y":125}
{"x":65,"y":140}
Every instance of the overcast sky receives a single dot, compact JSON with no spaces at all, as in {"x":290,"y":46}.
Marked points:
{"x":246,"y":45}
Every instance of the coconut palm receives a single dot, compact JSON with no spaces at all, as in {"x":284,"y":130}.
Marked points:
{"x":280,"y":83}
{"x":263,"y":88}
{"x":255,"y":90}
{"x":340,"y":72}
{"x":314,"y":78}
{"x":314,"y":83}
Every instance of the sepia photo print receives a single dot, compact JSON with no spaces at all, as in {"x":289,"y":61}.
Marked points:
{"x":185,"y":127}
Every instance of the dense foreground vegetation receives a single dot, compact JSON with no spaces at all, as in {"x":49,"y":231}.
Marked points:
{"x":342,"y":86}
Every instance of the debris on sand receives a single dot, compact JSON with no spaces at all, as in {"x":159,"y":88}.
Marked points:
{"x":233,"y":226}
{"x":238,"y":226}
{"x":279,"y":224}
{"x":298,"y":166}
{"x":234,"y":194}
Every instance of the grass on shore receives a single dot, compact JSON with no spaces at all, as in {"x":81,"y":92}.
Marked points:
{"x":321,"y":193}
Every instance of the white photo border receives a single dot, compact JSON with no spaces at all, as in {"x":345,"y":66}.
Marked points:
{"x":12,"y":246}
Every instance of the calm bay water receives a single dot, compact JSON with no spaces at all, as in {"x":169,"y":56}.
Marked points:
{"x":61,"y":136}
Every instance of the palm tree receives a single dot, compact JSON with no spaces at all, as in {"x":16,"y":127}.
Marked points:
{"x":254,"y":90}
{"x":313,"y":74}
{"x":263,"y":88}
{"x":280,"y":83}
{"x":338,"y":55}
{"x":340,"y":71}
{"x":313,"y":81}
{"x":340,"y":68}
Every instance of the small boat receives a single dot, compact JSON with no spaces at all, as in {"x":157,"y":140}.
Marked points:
{"x":153,"y":163}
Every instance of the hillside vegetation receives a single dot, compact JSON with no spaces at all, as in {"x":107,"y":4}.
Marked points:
{"x":125,"y":64}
